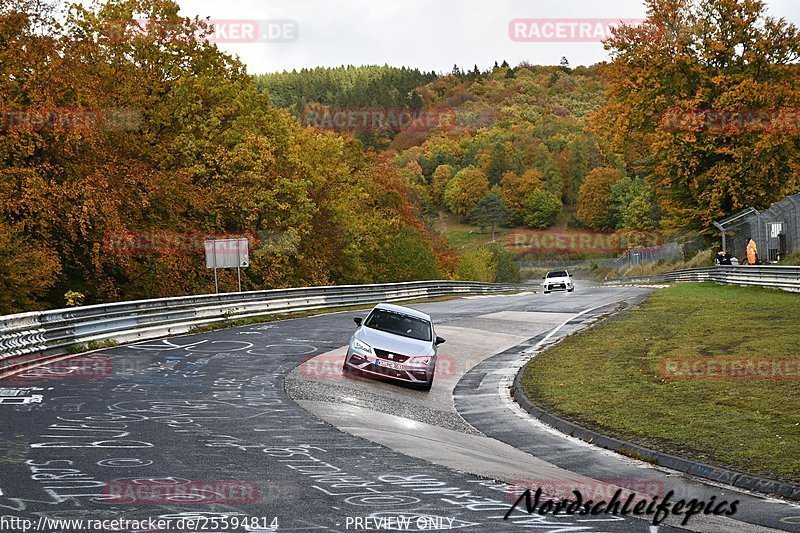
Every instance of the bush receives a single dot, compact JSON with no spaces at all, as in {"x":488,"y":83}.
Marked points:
{"x":477,"y":265}
{"x":490,"y":264}
{"x":703,"y":258}
{"x":507,"y":270}
{"x":791,"y":259}
{"x":74,"y":298}
{"x":408,"y":257}
{"x":542,"y":209}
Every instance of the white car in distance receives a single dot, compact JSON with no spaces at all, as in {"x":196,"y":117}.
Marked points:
{"x":557,"y":280}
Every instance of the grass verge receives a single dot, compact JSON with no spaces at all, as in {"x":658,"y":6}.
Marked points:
{"x":609,"y":378}
{"x":81,"y":347}
{"x":703,"y":258}
{"x":463,"y":236}
{"x":792,"y":259}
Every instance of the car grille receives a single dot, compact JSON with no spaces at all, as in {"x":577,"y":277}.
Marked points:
{"x":391,"y":356}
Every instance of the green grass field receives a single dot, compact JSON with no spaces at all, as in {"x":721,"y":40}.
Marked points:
{"x":465,"y":236}
{"x":609,"y":378}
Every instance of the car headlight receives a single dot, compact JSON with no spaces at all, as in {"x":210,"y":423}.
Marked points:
{"x":363,"y":346}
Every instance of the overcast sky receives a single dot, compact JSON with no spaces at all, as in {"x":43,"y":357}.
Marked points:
{"x":428,"y":34}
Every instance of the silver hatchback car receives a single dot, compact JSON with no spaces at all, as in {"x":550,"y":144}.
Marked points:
{"x":394,"y":342}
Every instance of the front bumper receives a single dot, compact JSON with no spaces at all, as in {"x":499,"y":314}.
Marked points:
{"x":557,"y":287}
{"x":379,"y":367}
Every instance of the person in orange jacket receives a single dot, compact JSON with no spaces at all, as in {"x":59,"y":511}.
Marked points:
{"x":752,"y":252}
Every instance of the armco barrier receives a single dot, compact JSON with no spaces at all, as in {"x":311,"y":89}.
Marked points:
{"x":779,"y":277}
{"x":26,"y":338}
{"x":634,"y":281}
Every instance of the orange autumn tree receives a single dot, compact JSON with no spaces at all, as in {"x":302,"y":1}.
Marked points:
{"x":29,"y":264}
{"x":687,"y":93}
{"x":184,"y":146}
{"x":515,"y":190}
{"x":594,"y":197}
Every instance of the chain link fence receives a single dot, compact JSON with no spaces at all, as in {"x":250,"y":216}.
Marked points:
{"x":668,"y":252}
{"x":776,"y":231}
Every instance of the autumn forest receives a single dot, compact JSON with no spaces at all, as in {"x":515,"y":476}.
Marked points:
{"x":120,"y":152}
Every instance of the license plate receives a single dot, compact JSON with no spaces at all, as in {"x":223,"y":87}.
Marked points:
{"x":387,"y":364}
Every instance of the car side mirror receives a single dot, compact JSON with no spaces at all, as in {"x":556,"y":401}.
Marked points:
{"x":357,"y":320}
{"x":439,"y":341}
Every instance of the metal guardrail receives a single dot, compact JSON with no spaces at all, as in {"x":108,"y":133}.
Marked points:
{"x":30,"y":337}
{"x":779,"y":277}
{"x":636,"y":280}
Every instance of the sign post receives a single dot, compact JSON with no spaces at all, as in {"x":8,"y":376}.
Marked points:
{"x":227,"y":253}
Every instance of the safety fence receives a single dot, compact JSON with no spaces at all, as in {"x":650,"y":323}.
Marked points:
{"x":776,"y":230}
{"x":668,"y":252}
{"x":779,"y":277}
{"x":671,"y":251}
{"x":635,"y":281}
{"x":27,"y":338}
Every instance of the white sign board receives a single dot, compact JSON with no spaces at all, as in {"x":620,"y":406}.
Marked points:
{"x":227,"y":253}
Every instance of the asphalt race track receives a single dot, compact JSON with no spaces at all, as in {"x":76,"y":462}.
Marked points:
{"x":264,"y":412}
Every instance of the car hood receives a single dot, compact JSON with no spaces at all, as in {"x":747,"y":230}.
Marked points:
{"x":556,"y":280}
{"x":393,"y":343}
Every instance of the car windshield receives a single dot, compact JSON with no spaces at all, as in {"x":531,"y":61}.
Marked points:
{"x":557,"y":274}
{"x":399,"y":324}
